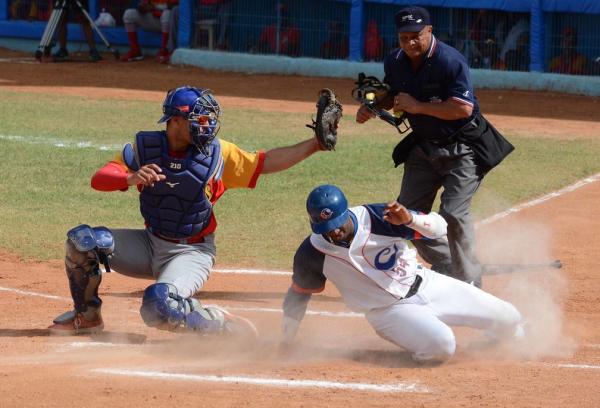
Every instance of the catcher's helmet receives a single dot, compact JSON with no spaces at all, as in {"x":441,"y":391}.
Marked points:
{"x":199,"y":107}
{"x":327,"y":208}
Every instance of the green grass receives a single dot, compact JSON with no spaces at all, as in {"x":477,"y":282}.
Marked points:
{"x":45,"y":188}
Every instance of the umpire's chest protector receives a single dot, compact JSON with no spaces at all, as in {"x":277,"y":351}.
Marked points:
{"x":177,"y":207}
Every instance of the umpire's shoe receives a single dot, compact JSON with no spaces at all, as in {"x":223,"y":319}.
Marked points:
{"x":72,"y":323}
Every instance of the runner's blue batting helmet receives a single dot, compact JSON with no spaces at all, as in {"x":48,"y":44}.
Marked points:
{"x":327,"y":208}
{"x":199,"y":107}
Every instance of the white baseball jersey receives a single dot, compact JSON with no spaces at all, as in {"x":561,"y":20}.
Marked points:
{"x":378,"y":268}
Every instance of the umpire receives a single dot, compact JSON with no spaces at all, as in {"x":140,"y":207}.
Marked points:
{"x":451,"y":144}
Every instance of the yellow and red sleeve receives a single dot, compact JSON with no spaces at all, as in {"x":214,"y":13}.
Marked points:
{"x":241,"y":169}
{"x":112,"y":176}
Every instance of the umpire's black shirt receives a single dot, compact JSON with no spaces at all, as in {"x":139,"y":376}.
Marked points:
{"x":444,"y":74}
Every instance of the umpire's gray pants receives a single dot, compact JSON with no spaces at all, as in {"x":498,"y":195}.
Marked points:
{"x":453,"y":168}
{"x":140,"y":254}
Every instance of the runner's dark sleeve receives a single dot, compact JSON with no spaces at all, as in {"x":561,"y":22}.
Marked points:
{"x":307,"y":279}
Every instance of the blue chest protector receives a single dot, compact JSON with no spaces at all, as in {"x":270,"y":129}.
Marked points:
{"x":176,"y":207}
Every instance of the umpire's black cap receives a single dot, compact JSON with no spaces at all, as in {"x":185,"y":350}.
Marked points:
{"x":412,"y":19}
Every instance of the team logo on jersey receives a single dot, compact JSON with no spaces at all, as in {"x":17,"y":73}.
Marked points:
{"x":384,"y":265}
{"x":326,"y":213}
{"x":172,"y":185}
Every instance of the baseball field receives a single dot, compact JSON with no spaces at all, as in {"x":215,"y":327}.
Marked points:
{"x":60,"y":122}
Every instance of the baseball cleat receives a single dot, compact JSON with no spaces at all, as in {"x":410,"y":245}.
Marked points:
{"x":232,"y":325}
{"x":163,"y":56}
{"x":132,"y":55}
{"x":239,"y":327}
{"x":73,"y":323}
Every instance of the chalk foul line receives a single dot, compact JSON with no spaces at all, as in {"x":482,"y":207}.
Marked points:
{"x":577,"y":366}
{"x":542,"y":199}
{"x":35,"y":294}
{"x":230,"y":308}
{"x":403,"y":386}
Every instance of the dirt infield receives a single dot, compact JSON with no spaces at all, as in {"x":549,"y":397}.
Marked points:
{"x":340,"y":362}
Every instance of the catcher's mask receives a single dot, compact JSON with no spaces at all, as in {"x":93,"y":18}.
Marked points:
{"x":327,"y":208}
{"x":201,"y":110}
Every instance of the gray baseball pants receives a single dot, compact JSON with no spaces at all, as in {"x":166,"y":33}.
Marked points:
{"x":140,"y":254}
{"x":452,"y":168}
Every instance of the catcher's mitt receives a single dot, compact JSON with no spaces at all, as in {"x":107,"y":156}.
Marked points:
{"x":329,"y":112}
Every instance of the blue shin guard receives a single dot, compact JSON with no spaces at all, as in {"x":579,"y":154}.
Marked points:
{"x":163,"y":308}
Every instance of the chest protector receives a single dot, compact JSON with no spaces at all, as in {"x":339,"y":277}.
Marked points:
{"x":176,"y":207}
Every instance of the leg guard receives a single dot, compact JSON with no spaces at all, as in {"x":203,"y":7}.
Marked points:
{"x":85,"y":248}
{"x":164,"y":309}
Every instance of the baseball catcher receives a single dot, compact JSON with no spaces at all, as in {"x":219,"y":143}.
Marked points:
{"x":329,"y":113}
{"x":180,"y":173}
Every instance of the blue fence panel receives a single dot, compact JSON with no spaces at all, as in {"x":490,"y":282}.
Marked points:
{"x":516,"y":35}
{"x":578,"y":6}
{"x":504,"y":5}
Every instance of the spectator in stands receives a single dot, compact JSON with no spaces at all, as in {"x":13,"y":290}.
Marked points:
{"x":173,"y":32}
{"x":150,"y":15}
{"x":512,"y":38}
{"x":484,"y":35}
{"x":29,"y":10}
{"x":373,"y":43}
{"x":74,"y":13}
{"x":336,"y":45}
{"x":208,"y":9}
{"x":221,"y":11}
{"x":518,"y":59}
{"x":288,"y":38}
{"x":569,"y":61}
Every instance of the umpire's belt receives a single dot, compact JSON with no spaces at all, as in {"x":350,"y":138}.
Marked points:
{"x":454,"y":137}
{"x":414,"y":287}
{"x":189,"y":241}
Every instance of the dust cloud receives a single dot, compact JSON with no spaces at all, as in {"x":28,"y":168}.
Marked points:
{"x":536,"y":289}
